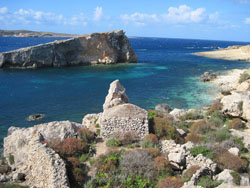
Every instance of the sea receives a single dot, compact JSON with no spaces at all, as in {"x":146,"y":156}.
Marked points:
{"x":166,"y":72}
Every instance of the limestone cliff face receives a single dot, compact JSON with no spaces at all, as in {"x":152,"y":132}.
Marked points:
{"x":97,"y":48}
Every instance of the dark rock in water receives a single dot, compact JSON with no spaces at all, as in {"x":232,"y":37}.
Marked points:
{"x":207,"y":76}
{"x":97,"y":48}
{"x":35,"y":117}
{"x":163,"y":108}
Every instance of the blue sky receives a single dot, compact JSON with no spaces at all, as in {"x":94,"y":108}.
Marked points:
{"x":197,"y":19}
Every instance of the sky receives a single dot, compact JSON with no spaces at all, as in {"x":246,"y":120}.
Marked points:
{"x":191,"y":19}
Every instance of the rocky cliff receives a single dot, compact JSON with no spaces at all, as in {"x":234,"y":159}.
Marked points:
{"x":97,"y":48}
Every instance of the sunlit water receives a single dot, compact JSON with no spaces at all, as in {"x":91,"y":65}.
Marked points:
{"x":167,"y":72}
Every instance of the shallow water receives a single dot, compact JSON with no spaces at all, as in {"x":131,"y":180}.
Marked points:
{"x":167,"y":72}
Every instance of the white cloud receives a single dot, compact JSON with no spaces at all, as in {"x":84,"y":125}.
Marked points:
{"x":98,"y":13}
{"x":3,"y":10}
{"x":184,"y":14}
{"x":139,"y":19}
{"x":247,"y":21}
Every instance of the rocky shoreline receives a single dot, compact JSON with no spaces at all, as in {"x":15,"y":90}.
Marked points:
{"x":233,"y":53}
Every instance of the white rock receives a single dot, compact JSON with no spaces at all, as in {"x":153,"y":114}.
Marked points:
{"x":226,"y":177}
{"x":178,"y":158}
{"x":244,"y":136}
{"x":244,"y":181}
{"x":3,"y":178}
{"x":234,"y":151}
{"x":181,"y":132}
{"x":91,"y":120}
{"x":162,"y":108}
{"x":177,"y":113}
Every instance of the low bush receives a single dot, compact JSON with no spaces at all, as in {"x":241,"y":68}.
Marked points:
{"x":217,"y":118}
{"x":236,"y":124}
{"x":170,"y":182}
{"x":83,"y":158}
{"x":151,"y":115}
{"x":69,"y":147}
{"x":216,"y":106}
{"x":201,"y":150}
{"x":108,"y":162}
{"x":184,"y":125}
{"x":164,"y":130}
{"x":195,"y":138}
{"x":193,"y":115}
{"x":207,"y":182}
{"x":240,"y":106}
{"x":200,"y":127}
{"x":244,"y":76}
{"x":86,"y":135}
{"x":11,"y":159}
{"x":154,"y":152}
{"x":126,"y":138}
{"x":227,"y":160}
{"x":233,"y":142}
{"x":218,"y":135}
{"x":138,"y":162}
{"x":187,"y":174}
{"x":112,"y":143}
{"x":163,"y":166}
{"x":149,"y":141}
{"x":236,"y":177}
{"x":137,"y":182}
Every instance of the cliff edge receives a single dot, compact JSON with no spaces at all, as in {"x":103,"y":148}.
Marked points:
{"x":97,"y":48}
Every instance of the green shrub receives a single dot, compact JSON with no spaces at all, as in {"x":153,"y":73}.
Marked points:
{"x":236,"y":124}
{"x":86,"y":135}
{"x":244,"y":76}
{"x":11,"y":159}
{"x":217,"y":118}
{"x":151,"y":115}
{"x":216,"y":106}
{"x":170,"y":182}
{"x":193,"y":115}
{"x":184,"y":125}
{"x":112,"y":143}
{"x":187,"y":174}
{"x":137,"y":182}
{"x":236,"y":177}
{"x":218,"y":135}
{"x":83,"y":158}
{"x":200,"y":127}
{"x":207,"y":182}
{"x":202,"y":150}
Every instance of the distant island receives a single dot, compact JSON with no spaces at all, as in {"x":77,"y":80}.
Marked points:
{"x":27,"y":33}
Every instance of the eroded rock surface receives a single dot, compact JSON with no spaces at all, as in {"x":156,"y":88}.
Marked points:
{"x":97,"y":48}
{"x":41,"y":165}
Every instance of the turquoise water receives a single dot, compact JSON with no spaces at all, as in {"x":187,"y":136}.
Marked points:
{"x":167,"y":72}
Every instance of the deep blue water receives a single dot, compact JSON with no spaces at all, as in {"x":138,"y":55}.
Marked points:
{"x":167,"y":72}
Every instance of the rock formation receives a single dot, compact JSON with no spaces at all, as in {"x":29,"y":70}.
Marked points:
{"x":97,"y":48}
{"x":40,"y":164}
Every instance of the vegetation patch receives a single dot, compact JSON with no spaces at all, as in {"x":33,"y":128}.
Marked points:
{"x":207,"y":182}
{"x":244,"y":76}
{"x":202,"y":150}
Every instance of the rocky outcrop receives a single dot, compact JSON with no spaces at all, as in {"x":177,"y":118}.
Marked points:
{"x":162,"y":108}
{"x":121,"y":116}
{"x":208,"y":76}
{"x":27,"y":154}
{"x":97,"y":48}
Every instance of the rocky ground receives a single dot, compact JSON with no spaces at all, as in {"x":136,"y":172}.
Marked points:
{"x":126,"y":146}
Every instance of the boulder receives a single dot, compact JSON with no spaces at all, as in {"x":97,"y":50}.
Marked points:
{"x":181,"y":132}
{"x":91,"y":121}
{"x":121,"y":116}
{"x":177,"y":113}
{"x":234,"y":151}
{"x":237,"y":104}
{"x":226,"y":177}
{"x":244,"y":180}
{"x":97,"y":48}
{"x":207,"y":76}
{"x":162,"y":108}
{"x":116,"y":95}
{"x":25,"y":152}
{"x":3,"y":178}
